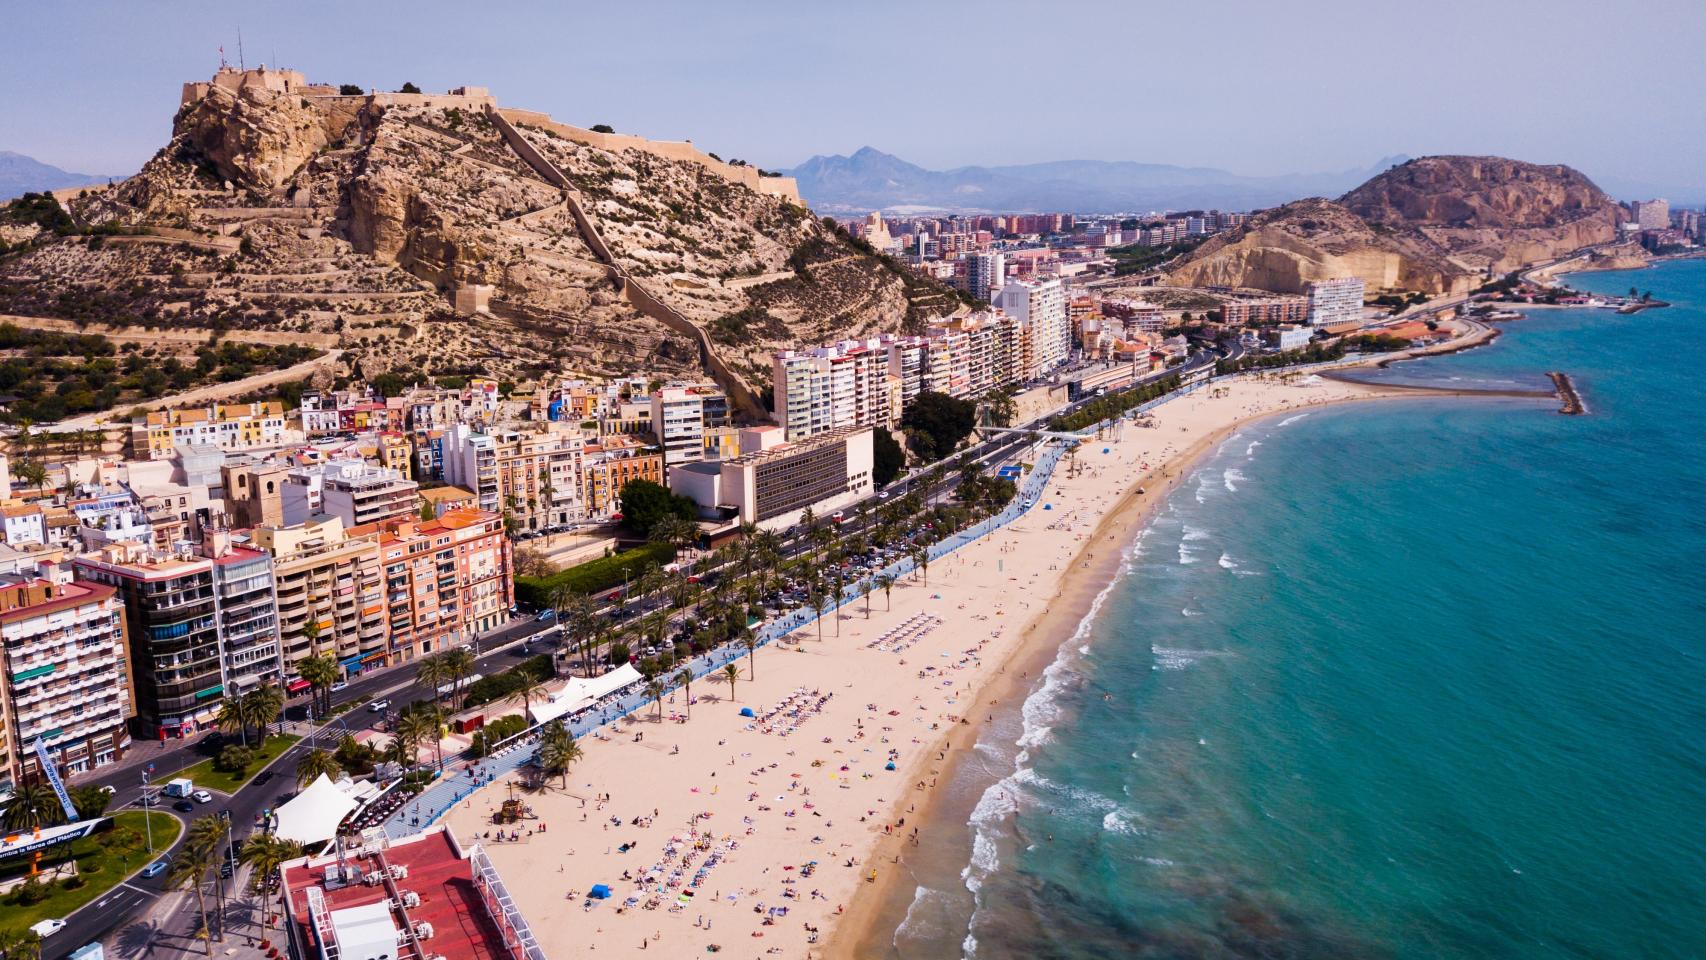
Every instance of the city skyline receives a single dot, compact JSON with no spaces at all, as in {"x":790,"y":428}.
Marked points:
{"x":1242,"y":90}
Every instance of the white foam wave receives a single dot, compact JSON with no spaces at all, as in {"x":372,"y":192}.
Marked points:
{"x":1158,"y":862}
{"x":1232,"y":474}
{"x":1250,"y":450}
{"x":1188,"y":612}
{"x":1185,"y":555}
{"x":1170,"y":658}
{"x":1227,"y":563}
{"x":926,"y":907}
{"x":1293,"y":419}
{"x":1119,"y":821}
{"x":1192,"y":533}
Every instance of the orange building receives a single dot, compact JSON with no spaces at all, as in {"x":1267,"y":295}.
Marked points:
{"x":445,"y":580}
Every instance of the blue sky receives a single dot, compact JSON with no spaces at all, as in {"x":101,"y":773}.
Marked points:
{"x":1253,"y":87}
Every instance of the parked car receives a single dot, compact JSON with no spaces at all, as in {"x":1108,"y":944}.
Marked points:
{"x":202,"y":796}
{"x":184,"y":806}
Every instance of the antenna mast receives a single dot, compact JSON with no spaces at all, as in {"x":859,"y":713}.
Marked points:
{"x":240,"y":64}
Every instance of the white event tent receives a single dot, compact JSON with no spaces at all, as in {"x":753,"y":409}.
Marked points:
{"x":583,"y":692}
{"x":313,"y":815}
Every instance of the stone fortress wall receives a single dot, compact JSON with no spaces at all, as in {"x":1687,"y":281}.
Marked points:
{"x":479,"y":98}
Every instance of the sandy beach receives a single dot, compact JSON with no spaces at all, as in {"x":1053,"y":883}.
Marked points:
{"x":777,"y":835}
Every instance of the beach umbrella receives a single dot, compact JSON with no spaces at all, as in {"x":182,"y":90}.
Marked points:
{"x":600,"y":891}
{"x":747,"y":712}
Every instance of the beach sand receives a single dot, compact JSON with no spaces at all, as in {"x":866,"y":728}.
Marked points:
{"x":813,"y":821}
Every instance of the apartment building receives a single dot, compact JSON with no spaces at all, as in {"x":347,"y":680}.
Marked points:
{"x":843,"y":384}
{"x":228,"y":426}
{"x":535,"y":476}
{"x":985,"y":273}
{"x":1335,"y":301}
{"x":173,"y":603}
{"x":67,"y":676}
{"x":683,"y":417}
{"x":444,"y":580}
{"x":330,"y":595}
{"x":611,"y":464}
{"x":1651,"y":214}
{"x":1040,"y":305}
{"x":1277,"y":310}
{"x":353,"y":490}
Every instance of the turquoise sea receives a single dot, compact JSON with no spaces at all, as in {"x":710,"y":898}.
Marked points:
{"x":1418,"y":679}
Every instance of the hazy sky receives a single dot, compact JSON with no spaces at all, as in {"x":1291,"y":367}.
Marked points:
{"x":1274,"y":86}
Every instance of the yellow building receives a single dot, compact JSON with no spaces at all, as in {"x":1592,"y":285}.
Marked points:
{"x":228,"y":426}
{"x":329,"y":577}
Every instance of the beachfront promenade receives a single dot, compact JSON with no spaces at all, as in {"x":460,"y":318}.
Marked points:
{"x":460,"y":779}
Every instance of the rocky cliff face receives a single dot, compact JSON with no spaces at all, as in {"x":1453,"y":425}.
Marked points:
{"x":364,"y":217}
{"x":1437,"y":224}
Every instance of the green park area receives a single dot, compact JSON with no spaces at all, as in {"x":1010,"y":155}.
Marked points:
{"x":223,"y":772}
{"x":105,"y":858}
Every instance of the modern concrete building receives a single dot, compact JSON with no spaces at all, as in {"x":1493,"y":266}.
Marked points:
{"x":985,"y":274}
{"x":1244,"y":313}
{"x":1651,"y":214}
{"x":683,"y":417}
{"x":1335,"y":301}
{"x":355,"y":491}
{"x":1040,"y":305}
{"x":66,"y":676}
{"x":772,"y":487}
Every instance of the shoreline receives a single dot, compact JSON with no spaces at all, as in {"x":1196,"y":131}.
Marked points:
{"x":866,"y":929}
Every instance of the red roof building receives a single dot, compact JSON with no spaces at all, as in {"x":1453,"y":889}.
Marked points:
{"x":412,"y":899}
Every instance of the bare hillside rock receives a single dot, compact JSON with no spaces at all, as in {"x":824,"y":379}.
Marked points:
{"x":1436,"y":224}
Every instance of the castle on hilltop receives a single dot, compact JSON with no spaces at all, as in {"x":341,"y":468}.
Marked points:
{"x":233,"y":81}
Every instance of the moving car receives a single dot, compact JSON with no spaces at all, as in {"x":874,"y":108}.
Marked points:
{"x":340,"y":685}
{"x":379,"y":706}
{"x":202,"y":796}
{"x":184,"y":806}
{"x":154,"y":869}
{"x":47,"y":928}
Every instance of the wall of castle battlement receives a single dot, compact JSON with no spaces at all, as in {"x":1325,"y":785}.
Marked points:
{"x":682,"y":150}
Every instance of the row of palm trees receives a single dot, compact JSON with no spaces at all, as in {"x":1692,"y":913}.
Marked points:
{"x":447,"y":668}
{"x":204,"y":846}
{"x":257,"y":708}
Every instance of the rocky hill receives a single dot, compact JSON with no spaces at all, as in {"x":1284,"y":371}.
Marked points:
{"x":288,"y":206}
{"x":1436,"y":224}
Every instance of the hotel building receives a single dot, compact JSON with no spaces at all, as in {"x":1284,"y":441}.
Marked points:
{"x":1040,"y":305}
{"x":1335,"y":301}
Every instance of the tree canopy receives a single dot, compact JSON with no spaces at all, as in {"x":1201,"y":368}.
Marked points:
{"x":936,"y":423}
{"x":645,"y":504}
{"x":888,"y":459}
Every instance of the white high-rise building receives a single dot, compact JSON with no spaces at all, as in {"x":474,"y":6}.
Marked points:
{"x":1651,"y":214}
{"x":985,"y":274}
{"x":1041,"y":305}
{"x":1335,"y":301}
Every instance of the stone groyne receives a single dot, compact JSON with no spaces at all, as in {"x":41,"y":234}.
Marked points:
{"x":1571,"y":399}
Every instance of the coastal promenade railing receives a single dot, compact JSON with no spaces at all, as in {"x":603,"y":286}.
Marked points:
{"x":462,"y":778}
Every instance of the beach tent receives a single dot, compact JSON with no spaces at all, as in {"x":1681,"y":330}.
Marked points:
{"x":313,"y":815}
{"x":600,"y":891}
{"x":746,"y":712}
{"x":581,"y":692}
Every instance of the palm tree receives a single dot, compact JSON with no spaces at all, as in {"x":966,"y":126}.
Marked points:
{"x":422,"y":725}
{"x":316,"y":762}
{"x":731,"y":673}
{"x":33,"y":805}
{"x":263,"y":706}
{"x":432,"y":672}
{"x":265,"y":853}
{"x":532,"y":689}
{"x":684,"y":676}
{"x":90,"y":801}
{"x":840,"y":593}
{"x":188,"y":871}
{"x":459,"y":664}
{"x":211,"y":834}
{"x":320,"y":672}
{"x":818,"y":597}
{"x":31,"y":473}
{"x":231,"y":718}
{"x":20,"y":945}
{"x":654,"y":690}
{"x":558,"y":750}
{"x":886,"y":581}
{"x":675,"y":531}
{"x":750,"y":639}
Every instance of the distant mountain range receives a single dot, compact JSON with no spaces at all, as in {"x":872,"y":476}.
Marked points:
{"x":20,"y":175}
{"x":873,"y":180}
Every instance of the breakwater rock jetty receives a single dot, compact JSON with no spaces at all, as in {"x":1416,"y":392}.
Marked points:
{"x":1567,"y":393}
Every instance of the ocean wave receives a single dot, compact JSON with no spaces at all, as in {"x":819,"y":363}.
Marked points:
{"x":1293,"y":419}
{"x":1186,"y":557}
{"x":1159,"y":862}
{"x":1192,"y":533}
{"x":1170,"y":658}
{"x":1188,"y":612}
{"x":1227,"y":563}
{"x":1250,"y":451}
{"x":1227,"y":478}
{"x":923,"y":915}
{"x":1120,"y":821}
